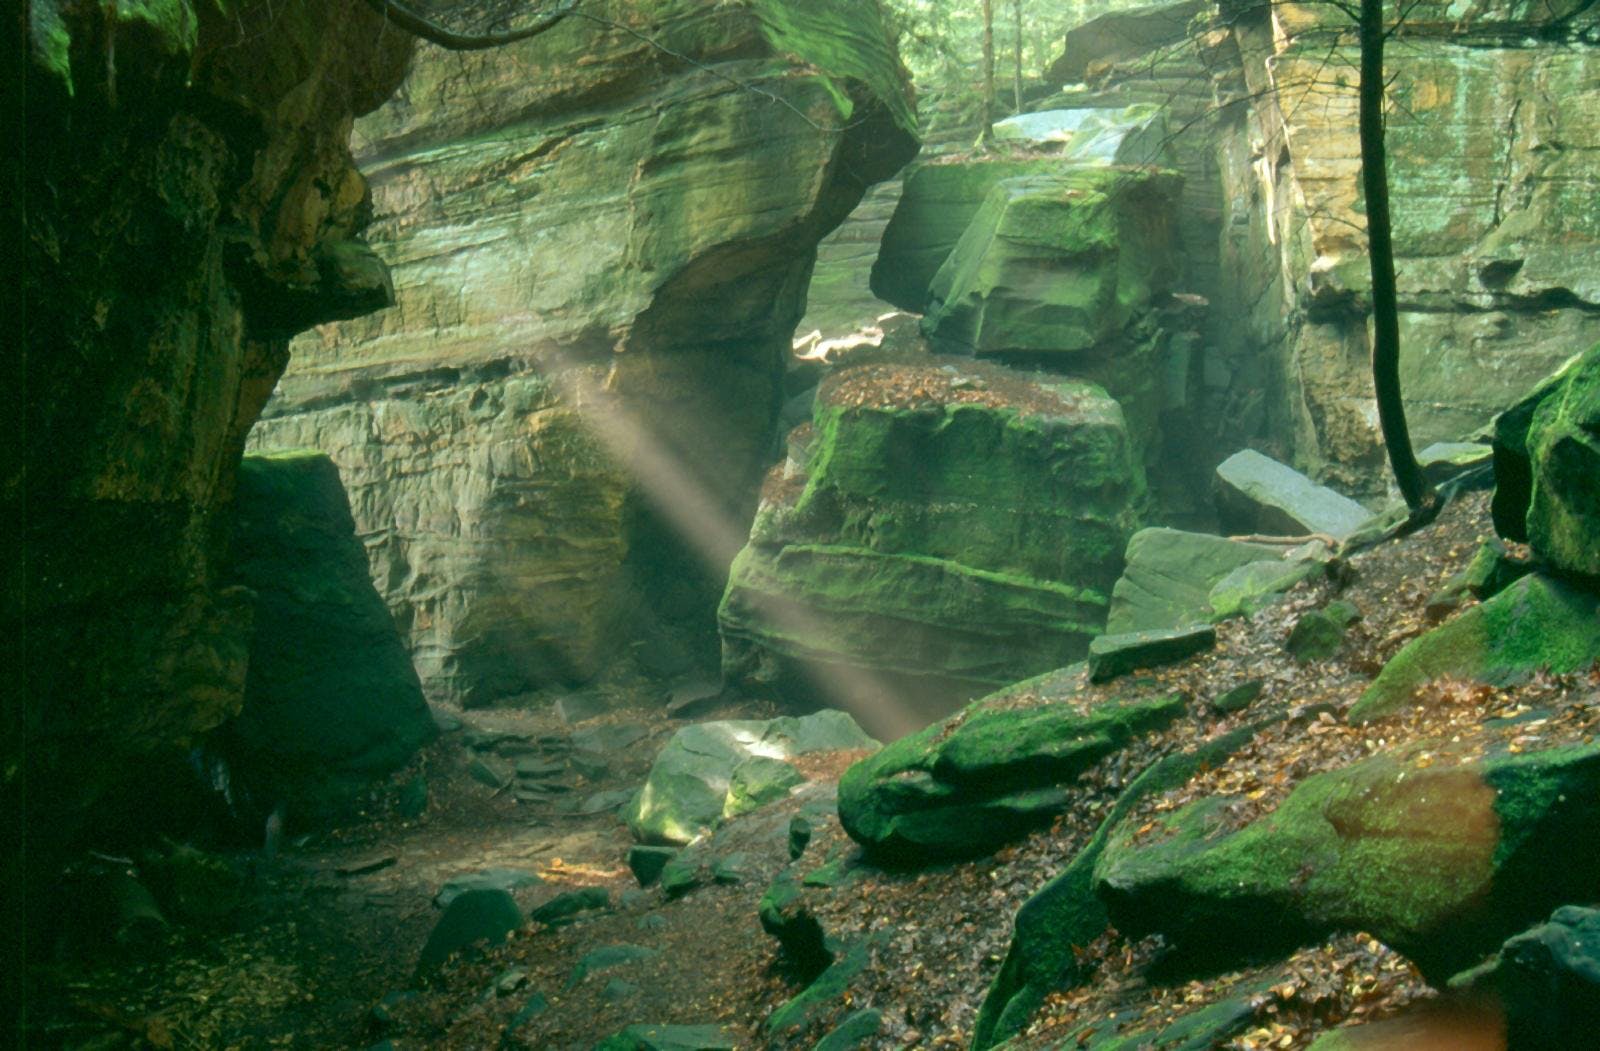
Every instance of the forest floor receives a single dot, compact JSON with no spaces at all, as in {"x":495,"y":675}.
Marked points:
{"x":334,"y":924}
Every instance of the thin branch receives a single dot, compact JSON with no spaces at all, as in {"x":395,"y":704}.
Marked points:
{"x":431,"y":31}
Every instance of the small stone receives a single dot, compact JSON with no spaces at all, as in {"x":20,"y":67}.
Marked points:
{"x":618,"y":990}
{"x":799,"y":836}
{"x":576,"y":708}
{"x":1238,"y":698}
{"x":646,"y":862}
{"x":510,"y":981}
{"x":488,"y":772}
{"x":600,"y":802}
{"x":679,"y":876}
{"x":569,"y":907}
{"x":732,"y":869}
{"x":1319,"y":634}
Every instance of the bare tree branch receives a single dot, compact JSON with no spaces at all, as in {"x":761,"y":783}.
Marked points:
{"x":412,"y":22}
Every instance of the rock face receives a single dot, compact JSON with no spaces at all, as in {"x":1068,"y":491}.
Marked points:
{"x":600,"y":256}
{"x":1362,"y":849}
{"x":964,"y":786}
{"x":330,"y":698}
{"x":954,"y":522}
{"x":1497,"y":235}
{"x":1496,"y":228}
{"x":187,"y":210}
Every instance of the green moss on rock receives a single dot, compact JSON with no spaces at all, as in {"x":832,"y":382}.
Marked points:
{"x":965,"y":786}
{"x":966,"y":540}
{"x":1537,"y":623}
{"x":1563,"y":519}
{"x":1440,"y":862}
{"x":1056,"y":263}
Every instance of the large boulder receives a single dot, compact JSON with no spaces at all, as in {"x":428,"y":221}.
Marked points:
{"x":1004,"y":765}
{"x":1563,"y":520}
{"x":600,"y":258}
{"x":1120,"y":35}
{"x":1170,"y":575}
{"x":707,"y":771}
{"x":1548,"y":979}
{"x":1056,"y":263}
{"x":1536,"y":624}
{"x":331,"y":700}
{"x":937,"y":204}
{"x":954,"y":523}
{"x":1440,"y":859}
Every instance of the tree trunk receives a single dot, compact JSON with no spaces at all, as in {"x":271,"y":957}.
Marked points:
{"x":1418,"y":494}
{"x":1016,"y":83}
{"x":988,"y":72}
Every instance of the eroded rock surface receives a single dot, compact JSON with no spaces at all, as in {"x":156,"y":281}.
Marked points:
{"x":600,"y":255}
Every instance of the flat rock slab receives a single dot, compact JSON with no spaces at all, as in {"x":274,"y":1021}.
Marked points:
{"x":1114,"y":655}
{"x":1257,"y":494}
{"x":1169,"y":574}
{"x":669,"y":1038}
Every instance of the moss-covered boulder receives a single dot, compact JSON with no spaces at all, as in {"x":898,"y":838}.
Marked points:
{"x":964,"y":786}
{"x":956,"y":523}
{"x":1065,"y":914}
{"x":331,"y":699}
{"x":1440,"y":860}
{"x":1548,"y":979}
{"x":1537,"y":624}
{"x":1563,"y":519}
{"x":1513,"y":461}
{"x":936,"y":205}
{"x":1170,"y":576}
{"x":712,"y":771}
{"x":1056,"y":263}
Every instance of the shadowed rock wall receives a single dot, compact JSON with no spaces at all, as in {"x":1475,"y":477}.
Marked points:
{"x":190,"y":203}
{"x":601,"y":242}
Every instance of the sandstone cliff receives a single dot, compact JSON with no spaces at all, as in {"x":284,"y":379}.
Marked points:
{"x":1494,"y":175}
{"x":601,"y":242}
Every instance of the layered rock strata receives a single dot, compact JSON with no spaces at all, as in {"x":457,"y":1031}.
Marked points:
{"x":601,"y":242}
